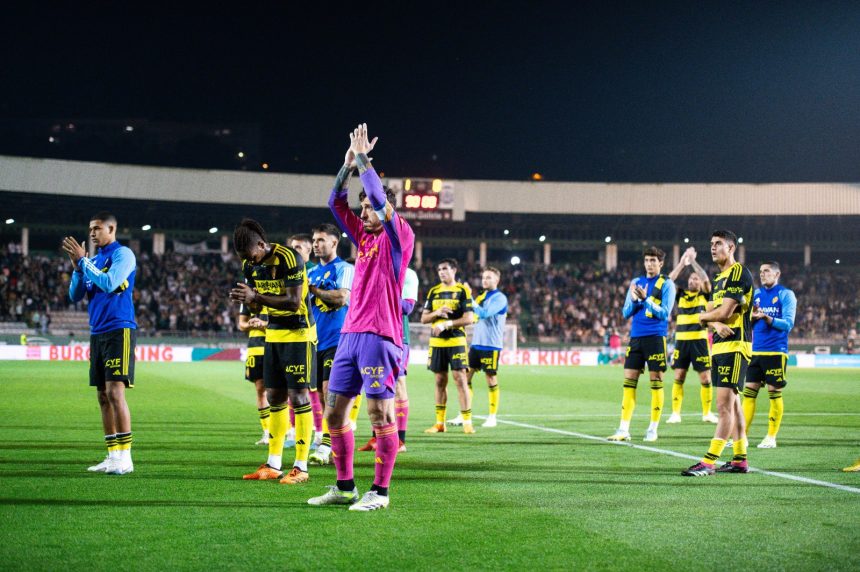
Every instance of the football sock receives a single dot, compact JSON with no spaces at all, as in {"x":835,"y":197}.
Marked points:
{"x":657,"y":398}
{"x":467,"y":416}
{"x":739,"y":448}
{"x":440,"y":414}
{"x":401,"y":413}
{"x":264,"y":418}
{"x":112,"y":447}
{"x":628,"y":403}
{"x":343,"y":450}
{"x":386,"y":453}
{"x":316,"y":407}
{"x":677,"y":396}
{"x":777,"y":408}
{"x":304,"y":429}
{"x":356,"y":407}
{"x":749,"y":405}
{"x":326,"y":437}
{"x":494,"y":399}
{"x":707,"y":394}
{"x":714,"y":452}
{"x":123,"y":445}
{"x":278,"y":419}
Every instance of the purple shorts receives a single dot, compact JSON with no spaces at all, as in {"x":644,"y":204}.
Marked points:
{"x":365,"y":361}
{"x":404,"y":360}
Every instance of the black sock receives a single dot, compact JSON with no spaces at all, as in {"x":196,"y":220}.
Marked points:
{"x":402,"y":436}
{"x":381,"y":491}
{"x":346,"y":486}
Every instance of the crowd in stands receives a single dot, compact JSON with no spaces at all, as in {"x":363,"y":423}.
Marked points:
{"x":577,"y":303}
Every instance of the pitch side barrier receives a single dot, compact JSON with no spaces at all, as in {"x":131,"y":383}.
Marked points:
{"x":166,"y":353}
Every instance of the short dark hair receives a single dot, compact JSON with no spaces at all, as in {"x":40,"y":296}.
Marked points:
{"x":301,"y":237}
{"x":389,"y":194}
{"x":726,"y":235}
{"x":327,"y":228}
{"x":246,"y":234}
{"x":452,"y":262}
{"x":772,"y":263}
{"x":104,"y":216}
{"x":654,"y":251}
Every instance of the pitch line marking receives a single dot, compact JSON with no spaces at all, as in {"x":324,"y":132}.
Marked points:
{"x":785,"y":476}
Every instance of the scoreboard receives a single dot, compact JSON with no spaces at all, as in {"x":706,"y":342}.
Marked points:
{"x":424,"y":199}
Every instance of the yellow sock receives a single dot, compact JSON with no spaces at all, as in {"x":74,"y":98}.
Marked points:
{"x":304,"y":427}
{"x":356,"y":407}
{"x":657,"y":399}
{"x":714,"y":452}
{"x":467,"y":415}
{"x":777,"y":408}
{"x":739,"y":448}
{"x":494,"y":399}
{"x":628,"y":401}
{"x":123,"y":441}
{"x":440,"y":414}
{"x":677,"y":397}
{"x":326,"y":436}
{"x":265,"y":412}
{"x":707,"y":394}
{"x":112,"y":447}
{"x":279,"y":421}
{"x":749,"y":405}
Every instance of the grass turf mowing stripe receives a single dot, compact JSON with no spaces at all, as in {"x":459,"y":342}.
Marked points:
{"x":786,"y":476}
{"x":644,"y":415}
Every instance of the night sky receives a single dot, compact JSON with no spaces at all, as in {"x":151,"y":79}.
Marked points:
{"x":667,"y":92}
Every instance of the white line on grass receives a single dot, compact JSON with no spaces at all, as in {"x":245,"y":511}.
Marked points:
{"x":676,"y":454}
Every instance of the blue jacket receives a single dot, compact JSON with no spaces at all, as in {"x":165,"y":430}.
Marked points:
{"x":780,"y":304}
{"x":651,"y":316}
{"x":107,"y":280}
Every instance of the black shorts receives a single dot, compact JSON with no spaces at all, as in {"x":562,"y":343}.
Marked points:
{"x":112,"y":357}
{"x":729,"y":370}
{"x":691,"y":352}
{"x":324,"y":360}
{"x":646,"y":349}
{"x":254,"y":364}
{"x":768,"y":368}
{"x":438,"y":359}
{"x":289,"y":365}
{"x":484,"y":360}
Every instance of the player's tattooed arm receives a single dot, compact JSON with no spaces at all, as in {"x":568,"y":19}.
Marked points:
{"x":363,"y":162}
{"x":341,"y":182}
{"x":330,"y":399}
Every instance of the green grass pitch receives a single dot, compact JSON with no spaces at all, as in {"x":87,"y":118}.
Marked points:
{"x":512,"y":497}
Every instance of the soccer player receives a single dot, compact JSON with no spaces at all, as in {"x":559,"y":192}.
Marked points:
{"x":107,"y":280}
{"x":491,"y":309}
{"x":853,"y":468}
{"x":449,"y":308}
{"x":275,"y":279}
{"x":775,"y":307}
{"x":368,"y":355}
{"x":691,"y":338}
{"x":330,"y":283}
{"x":732,"y":301}
{"x":401,"y":396}
{"x":255,"y":325}
{"x":649,"y":301}
{"x":303,"y":243}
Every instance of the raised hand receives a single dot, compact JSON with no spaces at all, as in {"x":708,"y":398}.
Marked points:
{"x":359,"y":142}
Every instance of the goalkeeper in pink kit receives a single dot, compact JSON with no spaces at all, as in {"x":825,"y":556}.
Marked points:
{"x":368,"y":355}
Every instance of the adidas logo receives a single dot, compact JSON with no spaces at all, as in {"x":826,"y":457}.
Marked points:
{"x":374,"y":384}
{"x":116,"y":372}
{"x":300,"y":442}
{"x":724,"y":380}
{"x":662,"y":364}
{"x":301,"y":380}
{"x":379,"y":460}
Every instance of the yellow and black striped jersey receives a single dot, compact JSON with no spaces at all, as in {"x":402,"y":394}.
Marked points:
{"x":281,"y":270}
{"x":458,"y":297}
{"x":690,"y":304}
{"x":736,"y":282}
{"x":256,"y":337}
